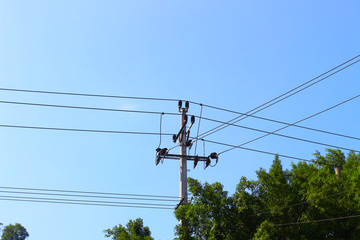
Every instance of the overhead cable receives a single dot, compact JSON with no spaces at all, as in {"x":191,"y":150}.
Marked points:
{"x":311,"y":116}
{"x":282,"y":96}
{"x":314,"y":221}
{"x":254,"y":150}
{"x":304,"y":202}
{"x":88,"y":201}
{"x":86,"y":192}
{"x":82,"y":130}
{"x":166,"y":113}
{"x":91,"y":196}
{"x":80,"y":203}
{"x":88,"y":94}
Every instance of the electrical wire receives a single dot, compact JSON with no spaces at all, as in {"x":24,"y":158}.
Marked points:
{"x":89,"y":94}
{"x":290,"y":124}
{"x":254,"y":150}
{"x":314,"y":221}
{"x":86,"y":192}
{"x":282,"y":135}
{"x":304,"y":202}
{"x":80,"y":203}
{"x":88,"y":201}
{"x":160,"y":113}
{"x":160,"y":128}
{"x":311,"y":116}
{"x":197,"y":134}
{"x":90,"y":196}
{"x":88,"y":108}
{"x":275,"y":100}
{"x":82,"y":130}
{"x":168,"y":113}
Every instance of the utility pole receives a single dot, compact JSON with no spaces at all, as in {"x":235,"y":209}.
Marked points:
{"x":183,"y":161}
{"x":184,"y":141}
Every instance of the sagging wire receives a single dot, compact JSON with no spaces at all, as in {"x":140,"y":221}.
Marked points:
{"x":197,"y":135}
{"x":160,"y":127}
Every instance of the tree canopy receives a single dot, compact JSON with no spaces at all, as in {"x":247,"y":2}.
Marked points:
{"x":134,"y":230}
{"x":14,"y":232}
{"x":308,"y":201}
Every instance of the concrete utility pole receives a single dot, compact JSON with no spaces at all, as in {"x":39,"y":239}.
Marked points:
{"x":185,"y":142}
{"x":183,"y":160}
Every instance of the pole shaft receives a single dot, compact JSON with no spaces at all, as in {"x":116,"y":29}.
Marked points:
{"x":183,"y":162}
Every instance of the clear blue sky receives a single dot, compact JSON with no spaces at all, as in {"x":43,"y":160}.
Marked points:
{"x":231,"y":54}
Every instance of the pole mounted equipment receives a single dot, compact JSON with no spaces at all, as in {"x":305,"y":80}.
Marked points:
{"x":183,"y":139}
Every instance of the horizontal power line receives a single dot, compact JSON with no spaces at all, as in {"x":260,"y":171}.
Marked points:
{"x":91,"y":196}
{"x":83,"y":130}
{"x":89,"y":94}
{"x":87,"y":201}
{"x":79,"y":203}
{"x":314,"y":221}
{"x":88,"y":108}
{"x":136,"y":133}
{"x":87,"y":192}
{"x":162,"y":113}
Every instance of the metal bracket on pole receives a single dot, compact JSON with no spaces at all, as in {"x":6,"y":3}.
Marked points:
{"x":178,"y":205}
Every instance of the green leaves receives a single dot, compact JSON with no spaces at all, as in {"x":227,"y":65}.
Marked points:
{"x":134,"y":230}
{"x":259,"y":208}
{"x":14,"y":232}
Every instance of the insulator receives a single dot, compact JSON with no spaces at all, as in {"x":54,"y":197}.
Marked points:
{"x":207,"y":163}
{"x":189,"y":143}
{"x":180,"y":104}
{"x":187,"y":104}
{"x":158,"y":158}
{"x":196,"y":160}
{"x":174,"y":138}
{"x":192,"y":119}
{"x":214,"y":155}
{"x":163,"y":151}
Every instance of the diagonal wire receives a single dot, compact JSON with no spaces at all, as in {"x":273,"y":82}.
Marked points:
{"x":311,"y":116}
{"x":273,"y":101}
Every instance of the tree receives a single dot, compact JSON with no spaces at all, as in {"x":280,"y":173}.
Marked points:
{"x":14,"y":232}
{"x":280,"y":204}
{"x":134,"y":230}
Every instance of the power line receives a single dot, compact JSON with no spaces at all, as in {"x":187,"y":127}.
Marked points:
{"x":273,"y":101}
{"x":83,"y":130}
{"x":254,"y":150}
{"x":311,"y":116}
{"x":313,"y":221}
{"x":163,"y":113}
{"x":80,"y":203}
{"x":153,"y":133}
{"x":88,"y":201}
{"x":88,"y":108}
{"x":280,"y":135}
{"x":89,"y":94}
{"x":289,"y":124}
{"x":87,"y":192}
{"x":89,"y":196}
{"x":301,"y":203}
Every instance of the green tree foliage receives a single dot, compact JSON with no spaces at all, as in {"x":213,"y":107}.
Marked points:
{"x":134,"y":230}
{"x":14,"y":232}
{"x":261,"y":209}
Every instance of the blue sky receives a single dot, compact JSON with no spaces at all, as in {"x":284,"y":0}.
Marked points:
{"x":230,"y":54}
